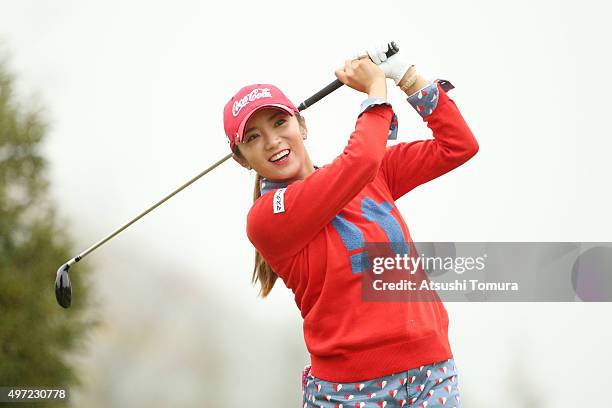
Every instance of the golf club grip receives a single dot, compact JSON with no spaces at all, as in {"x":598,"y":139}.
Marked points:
{"x":320,"y":95}
{"x":393,"y":49}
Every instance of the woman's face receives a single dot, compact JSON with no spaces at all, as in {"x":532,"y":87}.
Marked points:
{"x":273,"y":146}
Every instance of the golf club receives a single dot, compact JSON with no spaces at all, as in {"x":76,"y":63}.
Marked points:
{"x":63,"y":287}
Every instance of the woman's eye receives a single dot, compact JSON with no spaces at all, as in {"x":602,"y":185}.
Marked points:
{"x":251,"y":137}
{"x":281,"y":121}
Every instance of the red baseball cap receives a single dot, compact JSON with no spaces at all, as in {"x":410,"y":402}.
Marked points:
{"x":246,"y":102}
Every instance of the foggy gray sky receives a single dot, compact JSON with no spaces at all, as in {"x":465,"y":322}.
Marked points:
{"x":134,"y":93}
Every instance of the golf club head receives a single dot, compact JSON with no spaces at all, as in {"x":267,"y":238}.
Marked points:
{"x":63,"y":288}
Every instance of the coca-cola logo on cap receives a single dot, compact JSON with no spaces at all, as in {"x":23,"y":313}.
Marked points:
{"x":254,"y":95}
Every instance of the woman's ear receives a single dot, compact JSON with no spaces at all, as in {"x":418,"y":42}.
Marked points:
{"x":304,"y":131}
{"x":241,"y":161}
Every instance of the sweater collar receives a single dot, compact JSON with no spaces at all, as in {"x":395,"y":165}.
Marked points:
{"x":269,"y":185}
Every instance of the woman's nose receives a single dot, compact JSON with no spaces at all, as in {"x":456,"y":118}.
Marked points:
{"x":272,"y":141}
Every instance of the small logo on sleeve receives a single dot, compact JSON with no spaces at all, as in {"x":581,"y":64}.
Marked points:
{"x":278,"y":203}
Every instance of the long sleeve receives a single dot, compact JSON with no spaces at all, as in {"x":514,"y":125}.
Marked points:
{"x":408,"y":165}
{"x":281,"y":223}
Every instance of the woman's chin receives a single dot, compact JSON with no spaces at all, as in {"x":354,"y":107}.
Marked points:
{"x":285,"y":174}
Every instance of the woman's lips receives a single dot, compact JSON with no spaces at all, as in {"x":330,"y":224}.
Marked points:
{"x":282,"y":161}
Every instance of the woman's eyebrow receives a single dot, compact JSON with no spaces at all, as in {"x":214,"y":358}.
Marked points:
{"x":278,"y":112}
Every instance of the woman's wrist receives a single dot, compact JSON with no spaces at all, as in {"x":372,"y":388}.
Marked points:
{"x":378,"y":89}
{"x":412,"y":81}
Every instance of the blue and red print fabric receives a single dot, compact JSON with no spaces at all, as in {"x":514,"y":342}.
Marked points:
{"x":432,"y":386}
{"x":425,"y":100}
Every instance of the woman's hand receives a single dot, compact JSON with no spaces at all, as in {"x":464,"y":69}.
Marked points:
{"x":364,"y":76}
{"x":394,"y":67}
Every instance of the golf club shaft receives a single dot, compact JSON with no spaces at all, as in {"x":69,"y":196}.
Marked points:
{"x":307,"y":103}
{"x":145,"y":212}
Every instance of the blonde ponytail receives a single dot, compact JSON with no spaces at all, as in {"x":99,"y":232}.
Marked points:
{"x":262,"y":272}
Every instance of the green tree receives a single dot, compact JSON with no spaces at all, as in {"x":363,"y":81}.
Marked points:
{"x":37,"y":336}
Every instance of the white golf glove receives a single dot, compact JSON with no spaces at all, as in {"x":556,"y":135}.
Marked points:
{"x":394,"y":67}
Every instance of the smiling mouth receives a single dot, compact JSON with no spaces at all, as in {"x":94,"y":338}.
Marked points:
{"x":280,"y":156}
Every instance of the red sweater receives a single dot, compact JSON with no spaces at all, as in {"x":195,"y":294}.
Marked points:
{"x":310,"y":231}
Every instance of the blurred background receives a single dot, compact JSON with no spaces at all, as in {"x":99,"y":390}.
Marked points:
{"x":106,"y":107}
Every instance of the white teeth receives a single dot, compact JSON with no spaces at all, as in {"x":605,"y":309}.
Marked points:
{"x":279,"y":155}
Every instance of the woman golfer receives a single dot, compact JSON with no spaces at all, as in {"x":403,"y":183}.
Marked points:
{"x":309,"y":226}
